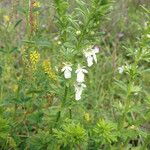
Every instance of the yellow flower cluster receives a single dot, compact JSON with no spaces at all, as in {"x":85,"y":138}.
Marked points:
{"x":34,"y":57}
{"x":87,"y":117}
{"x":15,"y":87}
{"x":7,"y":21}
{"x":48,"y":69}
{"x":37,"y":4}
{"x":7,"y":18}
{"x":133,"y":127}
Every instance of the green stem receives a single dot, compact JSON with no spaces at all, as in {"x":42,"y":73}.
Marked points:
{"x":70,"y":113}
{"x":63,"y":103}
{"x":58,"y":116}
{"x":65,"y":95}
{"x":127,"y":104}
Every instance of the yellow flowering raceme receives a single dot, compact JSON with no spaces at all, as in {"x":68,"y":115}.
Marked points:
{"x":48,"y":69}
{"x":34,"y":57}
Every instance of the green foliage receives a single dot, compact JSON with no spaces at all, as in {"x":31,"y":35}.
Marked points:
{"x":41,"y":140}
{"x":105,"y":132}
{"x":4,"y":129}
{"x":64,"y":65}
{"x":71,"y":135}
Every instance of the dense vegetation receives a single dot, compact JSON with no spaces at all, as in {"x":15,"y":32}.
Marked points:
{"x":75,"y":75}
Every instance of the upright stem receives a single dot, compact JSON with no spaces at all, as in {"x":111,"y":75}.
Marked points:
{"x":65,"y":95}
{"x":127,"y":104}
{"x":63,"y":103}
{"x":70,"y":113}
{"x":58,"y":116}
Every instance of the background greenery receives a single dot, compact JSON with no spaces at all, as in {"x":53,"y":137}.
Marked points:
{"x":37,"y":106}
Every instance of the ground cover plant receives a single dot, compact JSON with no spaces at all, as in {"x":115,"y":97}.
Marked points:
{"x":75,"y":75}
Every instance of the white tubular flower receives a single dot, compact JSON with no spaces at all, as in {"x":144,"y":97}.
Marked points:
{"x":56,"y":38}
{"x":96,"y":49}
{"x":80,"y":73}
{"x":79,"y":87}
{"x":67,"y":71}
{"x":89,"y":58}
{"x":121,"y":69}
{"x":90,"y":61}
{"x":90,"y":54}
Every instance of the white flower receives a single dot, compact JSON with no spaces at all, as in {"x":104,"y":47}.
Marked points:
{"x":56,"y":38}
{"x":89,"y":58}
{"x":43,"y":25}
{"x":80,"y":73}
{"x":95,"y":50}
{"x":67,"y":71}
{"x":121,"y":69}
{"x":79,"y":87}
{"x":90,"y":54}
